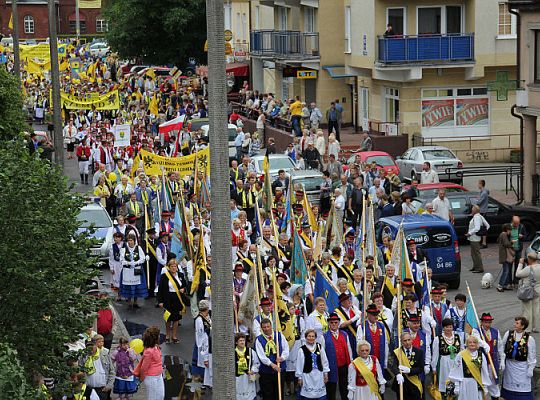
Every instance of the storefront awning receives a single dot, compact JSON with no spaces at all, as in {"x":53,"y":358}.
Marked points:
{"x":236,"y":69}
{"x":337,"y":71}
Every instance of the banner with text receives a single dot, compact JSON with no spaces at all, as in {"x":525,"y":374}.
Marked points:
{"x":437,"y":113}
{"x":122,"y":135}
{"x":472,"y":112}
{"x":152,"y":163}
{"x":109,"y":101}
{"x":40,"y":51}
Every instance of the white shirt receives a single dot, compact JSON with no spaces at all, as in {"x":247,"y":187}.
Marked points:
{"x":339,"y":203}
{"x":429,"y":177}
{"x":441,"y":208}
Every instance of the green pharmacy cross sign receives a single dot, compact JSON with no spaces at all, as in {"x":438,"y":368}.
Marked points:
{"x":502,"y":85}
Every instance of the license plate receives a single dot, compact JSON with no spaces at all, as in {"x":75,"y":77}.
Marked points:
{"x":95,"y":252}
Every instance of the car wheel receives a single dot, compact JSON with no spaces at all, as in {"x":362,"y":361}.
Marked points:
{"x":530,"y":229}
{"x":454,"y":284}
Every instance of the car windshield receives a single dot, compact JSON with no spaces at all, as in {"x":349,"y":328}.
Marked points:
{"x":196,"y":124}
{"x":94,"y":217}
{"x":277,"y":163}
{"x":430,"y":237}
{"x":435,"y":191}
{"x":383,"y":161}
{"x":310,"y":184}
{"x":438,"y":154}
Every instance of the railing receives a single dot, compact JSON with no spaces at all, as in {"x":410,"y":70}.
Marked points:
{"x":457,"y":47}
{"x":284,"y":44}
{"x":511,"y":173}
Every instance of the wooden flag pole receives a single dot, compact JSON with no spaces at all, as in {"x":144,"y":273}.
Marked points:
{"x":147,"y":246}
{"x":277,"y":333}
{"x":400,"y":322}
{"x":480,"y":330}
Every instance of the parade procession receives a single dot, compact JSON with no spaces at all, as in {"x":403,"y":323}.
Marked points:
{"x":357,"y":271}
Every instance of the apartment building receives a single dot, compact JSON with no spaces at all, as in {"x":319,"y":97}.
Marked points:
{"x":429,"y":77}
{"x":294,"y":45}
{"x":237,"y":21}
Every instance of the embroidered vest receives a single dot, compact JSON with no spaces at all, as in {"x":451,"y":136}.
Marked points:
{"x":312,"y":359}
{"x":517,"y":350}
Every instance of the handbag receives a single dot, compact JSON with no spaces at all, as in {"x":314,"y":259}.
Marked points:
{"x":483,"y":228}
{"x":525,"y":291}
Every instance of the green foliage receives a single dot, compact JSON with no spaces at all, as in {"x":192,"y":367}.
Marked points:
{"x":12,"y":118}
{"x":13,"y":381}
{"x":157,"y":31}
{"x":44,"y":264}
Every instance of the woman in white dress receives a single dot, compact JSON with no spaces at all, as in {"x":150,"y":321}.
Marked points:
{"x":299,"y":329}
{"x":133,"y":280}
{"x":312,"y":368}
{"x":470,"y":372}
{"x":369,"y":386}
{"x":247,"y":366}
{"x":202,"y":352}
{"x":445,"y":349}
{"x":115,"y":263}
{"x":317,"y":320}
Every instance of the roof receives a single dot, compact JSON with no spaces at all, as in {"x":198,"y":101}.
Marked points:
{"x":526,"y":4}
{"x":413,"y":221}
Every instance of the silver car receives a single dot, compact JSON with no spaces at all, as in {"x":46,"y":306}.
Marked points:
{"x":310,"y":180}
{"x":411,"y":162}
{"x":277,"y":162}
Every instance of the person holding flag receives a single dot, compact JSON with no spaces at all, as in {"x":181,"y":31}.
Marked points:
{"x":171,"y":297}
{"x":490,"y":336}
{"x":376,"y":333}
{"x":350,"y":319}
{"x":407,"y":369}
{"x":439,"y":308}
{"x":339,"y":353}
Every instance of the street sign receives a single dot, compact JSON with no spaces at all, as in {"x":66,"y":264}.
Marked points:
{"x":306,"y":74}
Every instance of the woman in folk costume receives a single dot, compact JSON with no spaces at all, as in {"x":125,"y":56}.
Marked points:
{"x":115,"y":263}
{"x":518,"y":359}
{"x":312,"y":368}
{"x":366,"y":380}
{"x":491,"y":342}
{"x":171,"y":298}
{"x":237,"y":234}
{"x":247,"y":366}
{"x":470,"y":373}
{"x":299,"y":329}
{"x":202,"y":349}
{"x":317,"y":320}
{"x":446,"y":346}
{"x":133,"y":278}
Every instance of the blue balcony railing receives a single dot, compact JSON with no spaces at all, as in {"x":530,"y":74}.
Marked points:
{"x":426,"y":48}
{"x":284,"y":44}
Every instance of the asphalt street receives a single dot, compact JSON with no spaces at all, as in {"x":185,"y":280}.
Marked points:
{"x":503,"y":306}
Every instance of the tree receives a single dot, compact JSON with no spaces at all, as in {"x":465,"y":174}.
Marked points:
{"x":13,"y":381}
{"x":12,"y":117}
{"x":157,"y":31}
{"x":45,"y":268}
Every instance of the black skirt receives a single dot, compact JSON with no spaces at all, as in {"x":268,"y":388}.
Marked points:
{"x":71,"y":147}
{"x":173,"y":305}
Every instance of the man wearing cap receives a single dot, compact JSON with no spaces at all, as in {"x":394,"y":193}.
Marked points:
{"x":387,"y":285}
{"x":490,"y":337}
{"x":376,"y":334}
{"x":339,"y":353}
{"x":238,"y":282}
{"x":165,"y":225}
{"x":349,"y":316}
{"x":409,"y":366}
{"x":266,"y":313}
{"x":421,"y":341}
{"x":438,"y":307}
{"x":306,"y":236}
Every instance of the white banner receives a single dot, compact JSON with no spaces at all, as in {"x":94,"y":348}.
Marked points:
{"x":122,"y":135}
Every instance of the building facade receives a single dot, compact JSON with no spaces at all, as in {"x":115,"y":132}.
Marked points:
{"x":34,"y":21}
{"x":237,"y":21}
{"x":292,"y":44}
{"x":429,"y":75}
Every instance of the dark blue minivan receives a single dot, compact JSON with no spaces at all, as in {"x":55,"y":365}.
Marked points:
{"x":436,"y":236}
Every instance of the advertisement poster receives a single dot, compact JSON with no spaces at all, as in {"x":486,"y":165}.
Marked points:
{"x":437,"y":113}
{"x":122,"y":135}
{"x":472,"y":112}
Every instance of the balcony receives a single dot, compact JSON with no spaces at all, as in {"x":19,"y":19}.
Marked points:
{"x":285,"y":44}
{"x":416,"y":49}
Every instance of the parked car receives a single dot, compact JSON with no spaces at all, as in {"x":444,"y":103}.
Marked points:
{"x":277,"y":162}
{"x":384,"y":160}
{"x":99,"y":49}
{"x":428,"y":189}
{"x":411,"y":162}
{"x":96,"y":222}
{"x":6,"y":42}
{"x":310,"y":180}
{"x":497,"y":214}
{"x":436,"y":236}
{"x":231,"y":132}
{"x":534,"y":247}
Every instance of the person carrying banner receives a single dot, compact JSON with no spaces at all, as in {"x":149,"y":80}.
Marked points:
{"x":409,"y":365}
{"x":172,"y":299}
{"x":339,"y":353}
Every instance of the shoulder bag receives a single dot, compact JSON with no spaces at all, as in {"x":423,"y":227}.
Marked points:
{"x":525,"y":291}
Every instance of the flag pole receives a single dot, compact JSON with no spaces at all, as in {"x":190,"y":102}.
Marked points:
{"x":480,"y":330}
{"x":147,"y":246}
{"x":364,"y":294}
{"x":278,"y":330}
{"x":399,"y":327}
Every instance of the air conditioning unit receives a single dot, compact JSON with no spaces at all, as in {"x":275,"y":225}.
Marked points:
{"x":522,"y":98}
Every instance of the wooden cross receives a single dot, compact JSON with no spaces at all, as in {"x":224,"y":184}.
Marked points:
{"x":502,"y":85}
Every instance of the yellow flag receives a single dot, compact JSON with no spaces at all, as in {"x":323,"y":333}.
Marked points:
{"x":285,"y":324}
{"x":151,"y":73}
{"x":153,"y":106}
{"x":10,"y":24}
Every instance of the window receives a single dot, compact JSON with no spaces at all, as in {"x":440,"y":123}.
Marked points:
{"x":439,"y":20}
{"x":537,"y":56}
{"x":257,"y":17}
{"x":228,"y":16}
{"x":28,"y":24}
{"x":282,"y":18}
{"x":391,"y":104}
{"x":507,"y":21}
{"x":309,"y":19}
{"x":396,"y":18}
{"x":348,"y":29}
{"x":73,"y":26}
{"x":101,"y":25}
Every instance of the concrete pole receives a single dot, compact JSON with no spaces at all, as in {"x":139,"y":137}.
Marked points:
{"x":55,"y":78}
{"x":16,"y":53}
{"x":77,"y":21}
{"x":529,"y":156}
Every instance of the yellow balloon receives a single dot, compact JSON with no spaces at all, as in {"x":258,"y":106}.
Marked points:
{"x":137,"y":345}
{"x":112,"y":177}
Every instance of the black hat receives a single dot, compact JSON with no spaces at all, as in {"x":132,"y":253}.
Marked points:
{"x":414,"y":318}
{"x":333,"y":317}
{"x":348,"y":222}
{"x":265,"y":301}
{"x":151,"y":231}
{"x":132,"y":218}
{"x":163,"y":234}
{"x":486,"y":317}
{"x":372,"y":309}
{"x":343,"y":296}
{"x":407,"y":282}
{"x":306,"y":225}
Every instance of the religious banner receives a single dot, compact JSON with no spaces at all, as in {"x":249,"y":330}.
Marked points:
{"x":41,"y":51}
{"x":89,"y":3}
{"x":109,"y":101}
{"x":471,"y":112}
{"x":37,"y":66}
{"x":437,"y":113}
{"x":152,"y":163}
{"x":122,"y":135}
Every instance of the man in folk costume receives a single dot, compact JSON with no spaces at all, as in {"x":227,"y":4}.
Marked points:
{"x":458,"y":314}
{"x":518,"y":360}
{"x":346,"y":269}
{"x":366,"y":380}
{"x":165,"y":225}
{"x":387,"y":285}
{"x":83,"y":153}
{"x":267,"y":245}
{"x":420,"y":341}
{"x":265,"y":313}
{"x":174,"y":186}
{"x":408,"y":288}
{"x":238,"y":282}
{"x":162,"y":254}
{"x":306,"y":236}
{"x":470,"y":373}
{"x":284,"y":251}
{"x":243,"y":256}
{"x":267,"y":346}
{"x":328,"y":267}
{"x":375,"y":333}
{"x":439,"y":308}
{"x":490,"y":342}
{"x":349,"y":317}
{"x":103,"y":155}
{"x":416,"y":257}
{"x":339,"y":353}
{"x":348,"y":244}
{"x":356,"y":286}
{"x":409,"y":365}
{"x":386,"y":317}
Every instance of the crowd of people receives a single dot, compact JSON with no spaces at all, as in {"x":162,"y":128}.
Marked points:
{"x":387,"y":329}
